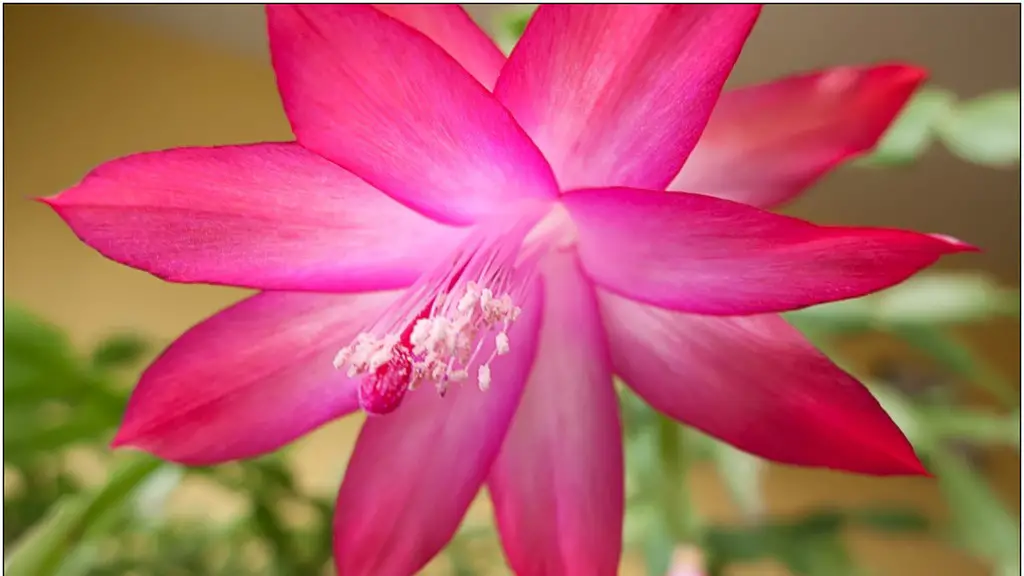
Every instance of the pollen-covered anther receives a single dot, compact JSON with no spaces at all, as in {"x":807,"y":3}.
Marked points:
{"x":438,"y":347}
{"x":501,"y":343}
{"x":483,"y":377}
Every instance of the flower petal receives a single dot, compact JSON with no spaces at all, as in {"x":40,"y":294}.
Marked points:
{"x":756,"y":383}
{"x":557,"y":485}
{"x":415,"y":471}
{"x":270,"y":216}
{"x":451,"y":28}
{"x":765,"y":144}
{"x":385,"y":102}
{"x":706,"y":255}
{"x":617,"y":95}
{"x":250,"y":379}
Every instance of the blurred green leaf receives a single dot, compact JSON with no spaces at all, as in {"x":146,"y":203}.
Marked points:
{"x":38,"y":359}
{"x":890,"y":520}
{"x":151,"y":497}
{"x":515,"y":23}
{"x":729,"y":545}
{"x":41,"y":551}
{"x":983,"y":524}
{"x":912,"y":132}
{"x":637,"y":416}
{"x":904,"y":414}
{"x":82,"y":426}
{"x":675,"y":460}
{"x":959,"y":359}
{"x":985,"y":130}
{"x":944,"y":298}
{"x":511,"y":22}
{"x":808,"y":545}
{"x":657,"y":547}
{"x":928,"y":299}
{"x":51,"y":398}
{"x":119,"y":350}
{"x":742,"y":474}
{"x":268,"y":523}
{"x":973,"y":426}
{"x":819,"y":555}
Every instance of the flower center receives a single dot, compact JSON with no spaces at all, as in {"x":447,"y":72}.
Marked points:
{"x":453,"y":318}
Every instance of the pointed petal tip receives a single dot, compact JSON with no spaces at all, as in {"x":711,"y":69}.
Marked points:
{"x":906,"y":72}
{"x":125,"y":440}
{"x":53,"y":201}
{"x":906,"y":463}
{"x":955,"y":245}
{"x":894,"y":457}
{"x":118,"y":442}
{"x":922,"y":471}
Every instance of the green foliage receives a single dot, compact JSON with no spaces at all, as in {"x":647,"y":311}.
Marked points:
{"x":511,"y":23}
{"x":119,"y":351}
{"x":742,"y":474}
{"x":43,"y":549}
{"x":983,"y":130}
{"x":931,"y":299}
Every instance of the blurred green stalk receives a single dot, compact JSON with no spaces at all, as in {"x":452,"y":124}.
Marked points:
{"x":42,"y":550}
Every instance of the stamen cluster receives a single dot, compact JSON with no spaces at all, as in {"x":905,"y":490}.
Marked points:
{"x":437,"y":348}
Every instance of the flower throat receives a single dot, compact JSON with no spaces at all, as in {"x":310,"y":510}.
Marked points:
{"x":453,"y":318}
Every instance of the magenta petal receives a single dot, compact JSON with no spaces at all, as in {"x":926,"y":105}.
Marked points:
{"x":385,"y":102}
{"x":706,"y":255}
{"x":557,"y":486}
{"x":270,"y":216}
{"x":415,"y":471}
{"x":765,"y":144}
{"x":451,"y":28}
{"x":756,"y":383}
{"x":250,"y":379}
{"x":617,"y":95}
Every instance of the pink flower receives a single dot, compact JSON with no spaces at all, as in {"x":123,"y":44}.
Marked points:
{"x":496,"y":236}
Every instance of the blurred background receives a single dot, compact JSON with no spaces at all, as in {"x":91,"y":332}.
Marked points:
{"x":84,"y":84}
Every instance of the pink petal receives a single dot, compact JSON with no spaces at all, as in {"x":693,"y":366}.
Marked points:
{"x":415,"y":471}
{"x":250,"y":379}
{"x":385,"y":102}
{"x":271,"y":216}
{"x":617,"y":95}
{"x":756,"y":383}
{"x":765,"y":144}
{"x":705,"y":255}
{"x":451,"y":28}
{"x":557,"y":486}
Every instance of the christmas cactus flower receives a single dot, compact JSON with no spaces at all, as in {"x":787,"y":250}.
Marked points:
{"x":468,"y":248}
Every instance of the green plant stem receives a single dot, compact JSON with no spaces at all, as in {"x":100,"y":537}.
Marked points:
{"x":679,"y":516}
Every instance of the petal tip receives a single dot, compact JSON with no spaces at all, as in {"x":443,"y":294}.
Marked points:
{"x":954,"y":245}
{"x":907,"y":73}
{"x":51,"y":201}
{"x":910,"y":465}
{"x":123,"y":438}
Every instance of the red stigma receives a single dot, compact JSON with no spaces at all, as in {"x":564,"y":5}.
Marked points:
{"x":383,"y":391}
